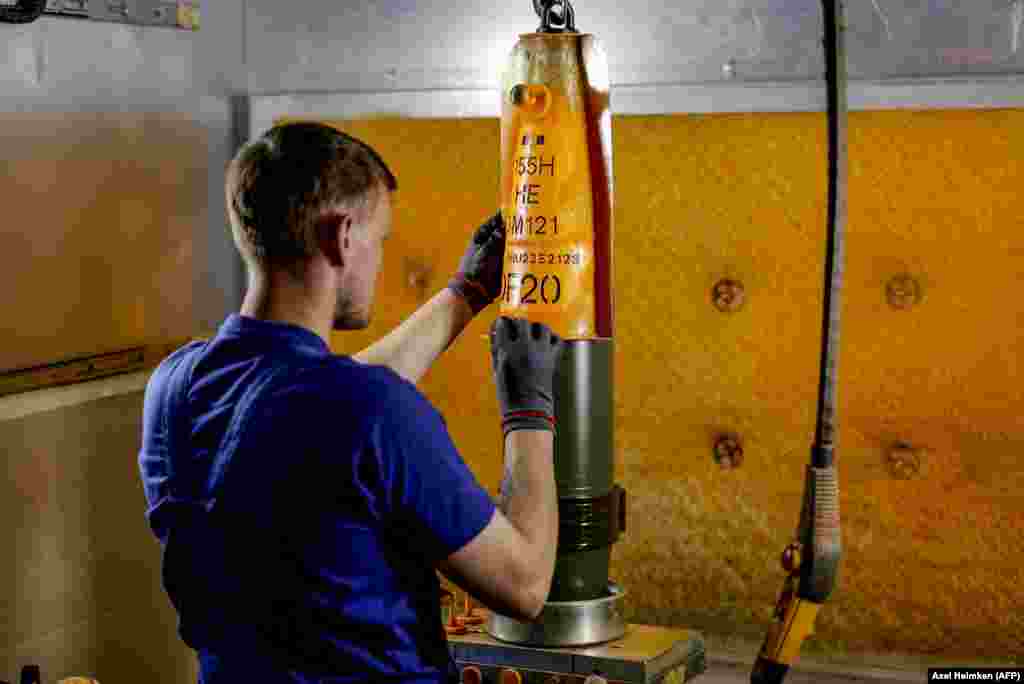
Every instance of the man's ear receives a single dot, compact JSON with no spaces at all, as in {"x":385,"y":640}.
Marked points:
{"x":334,"y":233}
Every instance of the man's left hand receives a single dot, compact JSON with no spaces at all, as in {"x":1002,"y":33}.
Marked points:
{"x":478,"y":279}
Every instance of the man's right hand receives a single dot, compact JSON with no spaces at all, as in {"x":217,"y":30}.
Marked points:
{"x":524,"y":357}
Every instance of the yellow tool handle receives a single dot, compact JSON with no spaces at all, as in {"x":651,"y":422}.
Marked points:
{"x":786,"y":636}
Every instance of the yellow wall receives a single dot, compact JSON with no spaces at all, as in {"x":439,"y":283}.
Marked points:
{"x":933,"y":563}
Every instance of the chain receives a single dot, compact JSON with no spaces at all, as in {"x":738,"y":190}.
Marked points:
{"x":556,"y":16}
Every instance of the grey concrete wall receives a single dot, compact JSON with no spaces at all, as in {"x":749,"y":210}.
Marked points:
{"x":218,"y":270}
{"x":434,"y":44}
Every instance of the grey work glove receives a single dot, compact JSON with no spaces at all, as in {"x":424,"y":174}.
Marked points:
{"x":524,"y":357}
{"x":478,"y":279}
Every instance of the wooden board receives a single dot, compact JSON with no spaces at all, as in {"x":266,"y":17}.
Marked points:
{"x":101,"y":214}
{"x":86,"y":368}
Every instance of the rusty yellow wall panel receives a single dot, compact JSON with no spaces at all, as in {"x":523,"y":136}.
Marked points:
{"x":933,"y":535}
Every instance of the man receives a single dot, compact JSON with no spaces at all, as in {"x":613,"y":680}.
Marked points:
{"x":303,"y":500}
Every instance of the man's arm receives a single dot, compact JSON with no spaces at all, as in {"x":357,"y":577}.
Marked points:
{"x":412,"y":347}
{"x":509,"y":566}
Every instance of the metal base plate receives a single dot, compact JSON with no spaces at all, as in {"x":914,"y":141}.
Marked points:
{"x":643,"y":655}
{"x":566,"y":623}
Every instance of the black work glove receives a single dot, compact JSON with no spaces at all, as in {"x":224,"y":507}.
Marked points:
{"x":478,"y":279}
{"x":524,"y":356}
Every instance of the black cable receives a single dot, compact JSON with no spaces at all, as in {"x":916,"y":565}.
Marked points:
{"x":25,"y":12}
{"x":835,"y":68}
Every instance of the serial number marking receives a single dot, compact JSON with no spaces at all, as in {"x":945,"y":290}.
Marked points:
{"x":549,"y":258}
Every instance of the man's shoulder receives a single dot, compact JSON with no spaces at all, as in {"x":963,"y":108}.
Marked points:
{"x":392,"y":399}
{"x":375,"y":383}
{"x":182,"y":353}
{"x":176,"y":361}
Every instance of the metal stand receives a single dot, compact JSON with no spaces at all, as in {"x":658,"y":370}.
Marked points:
{"x":566,"y":623}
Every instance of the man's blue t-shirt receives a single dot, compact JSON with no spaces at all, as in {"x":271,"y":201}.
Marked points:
{"x":303,"y":501}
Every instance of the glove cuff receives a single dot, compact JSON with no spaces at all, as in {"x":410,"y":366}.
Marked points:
{"x":527,"y":420}
{"x":474,"y":293}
